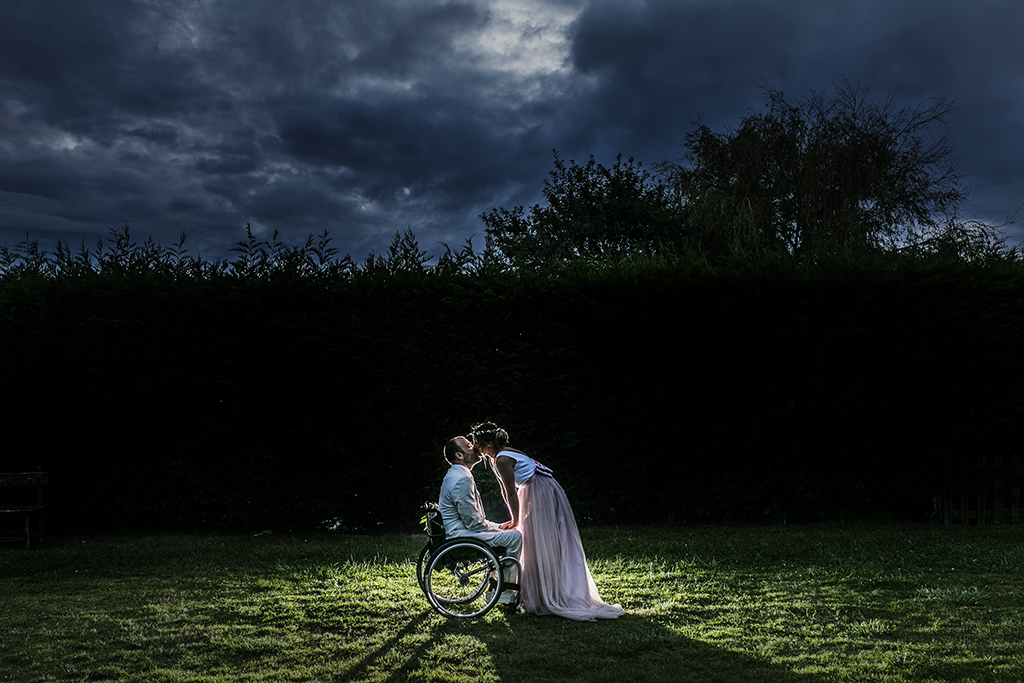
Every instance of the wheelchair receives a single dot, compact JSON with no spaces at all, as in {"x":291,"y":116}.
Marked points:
{"x":462,"y":578}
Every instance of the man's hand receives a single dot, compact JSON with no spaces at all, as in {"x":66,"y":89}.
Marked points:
{"x":507,"y":525}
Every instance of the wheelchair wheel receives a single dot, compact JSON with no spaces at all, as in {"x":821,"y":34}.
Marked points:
{"x":462,"y":580}
{"x":421,"y":567}
{"x":449,"y":596}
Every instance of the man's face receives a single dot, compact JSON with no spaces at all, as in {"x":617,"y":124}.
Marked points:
{"x":470,"y":455}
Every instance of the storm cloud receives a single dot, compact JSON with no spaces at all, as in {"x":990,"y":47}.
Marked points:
{"x":368,"y":117}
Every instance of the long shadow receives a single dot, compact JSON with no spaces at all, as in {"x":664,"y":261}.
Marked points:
{"x":650,"y":650}
{"x":534,"y":649}
{"x":390,"y":647}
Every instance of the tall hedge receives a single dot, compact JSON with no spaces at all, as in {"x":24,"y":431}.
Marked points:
{"x":657,"y":390}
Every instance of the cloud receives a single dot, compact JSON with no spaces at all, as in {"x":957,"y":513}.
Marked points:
{"x":370,"y":116}
{"x":660,"y":65}
{"x":360,"y":117}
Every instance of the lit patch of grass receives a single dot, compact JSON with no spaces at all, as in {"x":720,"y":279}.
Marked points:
{"x":780,"y":604}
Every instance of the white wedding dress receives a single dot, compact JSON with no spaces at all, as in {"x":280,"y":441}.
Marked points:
{"x":555,"y":577}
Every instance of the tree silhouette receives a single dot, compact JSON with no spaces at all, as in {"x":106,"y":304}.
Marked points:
{"x":820,"y":175}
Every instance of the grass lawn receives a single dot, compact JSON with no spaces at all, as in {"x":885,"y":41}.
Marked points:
{"x":766,"y":604}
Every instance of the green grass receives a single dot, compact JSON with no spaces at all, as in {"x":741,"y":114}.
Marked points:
{"x":766,"y":604}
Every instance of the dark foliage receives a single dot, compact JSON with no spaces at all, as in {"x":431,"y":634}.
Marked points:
{"x":291,"y":387}
{"x":591,"y":211}
{"x":825,"y":176}
{"x":821,"y":175}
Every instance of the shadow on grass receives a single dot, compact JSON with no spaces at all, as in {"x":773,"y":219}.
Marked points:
{"x":396,"y":645}
{"x":518,"y":647}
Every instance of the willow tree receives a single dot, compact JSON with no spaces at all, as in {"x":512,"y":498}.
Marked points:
{"x":825,"y":175}
{"x":820,"y":175}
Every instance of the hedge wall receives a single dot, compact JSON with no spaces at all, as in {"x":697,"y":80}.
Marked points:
{"x":655,"y":390}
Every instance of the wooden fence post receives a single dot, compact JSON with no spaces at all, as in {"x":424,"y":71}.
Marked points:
{"x":997,"y":488}
{"x":1015,"y":489}
{"x":962,"y":490}
{"x":946,"y":492}
{"x":981,"y":489}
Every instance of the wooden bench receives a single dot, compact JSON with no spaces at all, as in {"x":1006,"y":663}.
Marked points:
{"x":21,"y":498}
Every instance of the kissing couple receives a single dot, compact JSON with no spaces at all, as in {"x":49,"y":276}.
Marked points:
{"x":542,"y":533}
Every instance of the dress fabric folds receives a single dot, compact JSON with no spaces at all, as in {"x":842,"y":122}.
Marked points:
{"x":555,"y":578}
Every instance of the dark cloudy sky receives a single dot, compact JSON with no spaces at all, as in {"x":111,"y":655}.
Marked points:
{"x":366,"y":117}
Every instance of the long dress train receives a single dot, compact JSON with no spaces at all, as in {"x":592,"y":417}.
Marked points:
{"x":555,"y":577}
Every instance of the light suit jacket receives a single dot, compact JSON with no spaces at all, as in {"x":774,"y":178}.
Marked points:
{"x":461,"y":508}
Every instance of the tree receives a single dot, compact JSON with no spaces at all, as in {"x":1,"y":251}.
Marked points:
{"x":591,"y":211}
{"x":820,"y":175}
{"x":825,"y":175}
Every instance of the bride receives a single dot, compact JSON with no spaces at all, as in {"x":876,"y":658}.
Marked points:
{"x":555,"y":578}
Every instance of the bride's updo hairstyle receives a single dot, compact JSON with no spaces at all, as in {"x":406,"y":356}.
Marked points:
{"x":487,"y":433}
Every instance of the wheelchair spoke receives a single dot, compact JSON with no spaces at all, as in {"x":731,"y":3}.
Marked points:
{"x":461,"y":579}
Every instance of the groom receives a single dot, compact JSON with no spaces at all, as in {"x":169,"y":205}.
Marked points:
{"x":462,"y":511}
